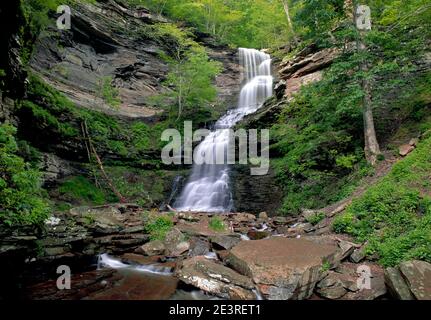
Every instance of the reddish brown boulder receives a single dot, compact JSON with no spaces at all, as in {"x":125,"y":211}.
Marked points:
{"x":282,"y":268}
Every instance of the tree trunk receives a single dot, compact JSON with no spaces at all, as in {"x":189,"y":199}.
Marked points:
{"x":180,"y":104}
{"x":372,"y":149}
{"x":289,"y":20}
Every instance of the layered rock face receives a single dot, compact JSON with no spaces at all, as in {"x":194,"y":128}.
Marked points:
{"x":110,"y":42}
{"x":255,"y":194}
{"x":305,"y":68}
{"x":106,"y":40}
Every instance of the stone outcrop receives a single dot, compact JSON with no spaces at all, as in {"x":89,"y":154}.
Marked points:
{"x":411,"y":280}
{"x":153,"y":248}
{"x":282,"y":268}
{"x":216,"y":279}
{"x":346,"y":282}
{"x":255,"y":193}
{"x":304,"y":68}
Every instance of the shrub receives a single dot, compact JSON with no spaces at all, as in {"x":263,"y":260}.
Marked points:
{"x":81,"y":189}
{"x":316,"y":218}
{"x":21,"y":200}
{"x":108,"y":92}
{"x":343,"y":223}
{"x":158,"y":227}
{"x":216,"y":224}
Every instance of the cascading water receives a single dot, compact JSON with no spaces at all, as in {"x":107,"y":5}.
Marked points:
{"x":207,"y":189}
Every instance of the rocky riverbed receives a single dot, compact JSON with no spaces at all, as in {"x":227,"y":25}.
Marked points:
{"x":255,"y":257}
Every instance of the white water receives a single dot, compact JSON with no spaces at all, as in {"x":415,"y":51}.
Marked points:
{"x":207,"y":189}
{"x":105,"y":261}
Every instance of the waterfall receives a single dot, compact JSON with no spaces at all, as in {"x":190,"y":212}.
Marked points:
{"x":207,"y":189}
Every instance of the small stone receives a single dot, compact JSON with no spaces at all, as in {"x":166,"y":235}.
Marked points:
{"x":358,"y":255}
{"x":405,"y":149}
{"x":413,"y":142}
{"x":258,"y":235}
{"x":280,"y":220}
{"x":263,"y":216}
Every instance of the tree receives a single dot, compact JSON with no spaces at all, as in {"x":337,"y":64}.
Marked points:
{"x":372,"y":149}
{"x":191,"y":80}
{"x":21,"y":200}
{"x":289,"y":20}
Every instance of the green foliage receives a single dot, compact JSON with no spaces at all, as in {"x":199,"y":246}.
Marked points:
{"x":318,"y":138}
{"x":326,"y":266}
{"x":21,"y":198}
{"x":316,"y":218}
{"x":57,"y":120}
{"x":141,"y":136}
{"x":148,"y":187}
{"x":83,"y":190}
{"x":158,"y":227}
{"x":246,"y":23}
{"x":108,"y":92}
{"x":217,"y":224}
{"x":191,"y":80}
{"x":394,"y":216}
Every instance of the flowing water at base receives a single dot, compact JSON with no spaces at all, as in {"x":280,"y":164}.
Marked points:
{"x":144,"y":282}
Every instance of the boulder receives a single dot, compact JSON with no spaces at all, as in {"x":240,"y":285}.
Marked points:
{"x":418,"y":277}
{"x":179,"y":249}
{"x":282,"y":268}
{"x":376,"y":287}
{"x":346,"y":249}
{"x":336,"y":284}
{"x":414,"y":142}
{"x":396,"y":284}
{"x":215,"y":279}
{"x":199,"y":247}
{"x":54,"y":168}
{"x":153,"y":248}
{"x":331,"y":287}
{"x":175,"y":243}
{"x":224,"y":242}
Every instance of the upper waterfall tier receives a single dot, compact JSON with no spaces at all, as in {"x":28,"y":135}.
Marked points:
{"x":208,"y":188}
